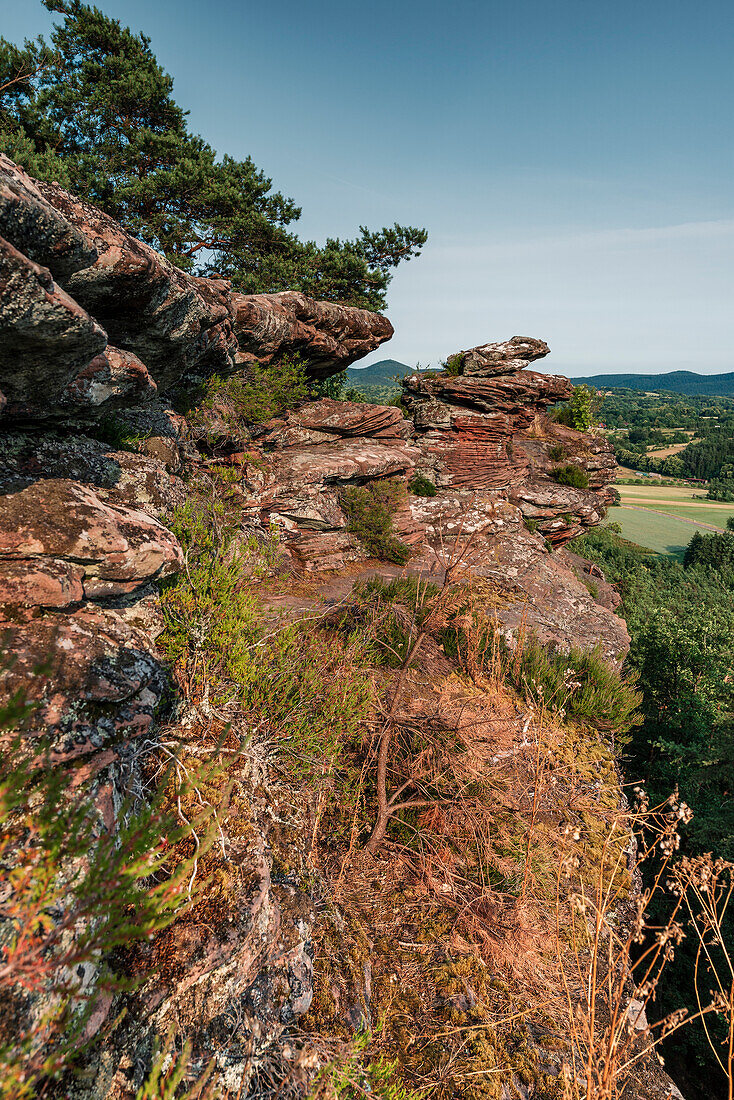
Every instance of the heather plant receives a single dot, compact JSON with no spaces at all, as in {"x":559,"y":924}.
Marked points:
{"x":579,"y":684}
{"x":369,"y":510}
{"x":255,"y":395}
{"x":572,"y":475}
{"x":307,"y":689}
{"x":422,"y":486}
{"x":73,"y":891}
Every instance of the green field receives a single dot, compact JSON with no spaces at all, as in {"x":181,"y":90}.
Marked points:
{"x":665,"y":517}
{"x":661,"y":533}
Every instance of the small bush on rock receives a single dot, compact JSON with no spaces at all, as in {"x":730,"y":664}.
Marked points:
{"x":369,"y":510}
{"x":454,"y":365}
{"x":422,"y":486}
{"x":580,"y":685}
{"x":572,"y":475}
{"x":255,"y":395}
{"x":387,"y":613}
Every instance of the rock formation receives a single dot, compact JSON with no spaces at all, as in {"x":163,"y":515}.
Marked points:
{"x":93,"y":321}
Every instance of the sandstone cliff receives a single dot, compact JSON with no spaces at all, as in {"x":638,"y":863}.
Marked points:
{"x":101,"y":338}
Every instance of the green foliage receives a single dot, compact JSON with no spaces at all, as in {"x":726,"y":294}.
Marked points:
{"x":294,"y":681}
{"x":331,"y":387}
{"x":73,"y":891}
{"x":410,"y":591}
{"x":722,"y":490}
{"x":386,"y":614}
{"x":557,"y":452}
{"x":422,"y":486}
{"x":352,"y":1077}
{"x":578,"y":685}
{"x":640,"y":422}
{"x":94,"y":110}
{"x":454,"y":365}
{"x":112,"y":430}
{"x":715,"y":551}
{"x":582,"y":686}
{"x":582,"y":410}
{"x":571,"y":474}
{"x":369,"y":510}
{"x":255,"y":395}
{"x":530,"y":524}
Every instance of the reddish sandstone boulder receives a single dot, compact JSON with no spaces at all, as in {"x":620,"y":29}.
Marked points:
{"x":502,"y":358}
{"x":117,"y":550}
{"x":114,"y":378}
{"x":327,"y":335}
{"x":38,"y":229}
{"x":91,"y":673}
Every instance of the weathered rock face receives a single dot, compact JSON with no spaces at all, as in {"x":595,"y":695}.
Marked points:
{"x":486,"y":428}
{"x":46,"y":339}
{"x":169,"y":329}
{"x":326,"y":335}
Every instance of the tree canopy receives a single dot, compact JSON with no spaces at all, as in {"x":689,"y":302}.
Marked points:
{"x":93,"y":110}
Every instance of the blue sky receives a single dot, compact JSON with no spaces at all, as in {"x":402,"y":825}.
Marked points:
{"x":573,"y":162}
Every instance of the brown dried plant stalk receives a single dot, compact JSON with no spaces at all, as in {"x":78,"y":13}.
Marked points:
{"x":389,"y":805}
{"x":705,"y":886}
{"x":617,"y":957}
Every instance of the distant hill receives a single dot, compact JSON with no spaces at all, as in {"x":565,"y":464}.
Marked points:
{"x":377,"y":374}
{"x":677,"y":381}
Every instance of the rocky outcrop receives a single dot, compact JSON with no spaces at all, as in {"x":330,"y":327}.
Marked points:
{"x":328,"y":336}
{"x":93,"y":321}
{"x":63,"y":262}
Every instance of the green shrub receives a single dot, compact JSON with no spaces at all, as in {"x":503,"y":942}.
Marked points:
{"x":110,"y":429}
{"x":410,"y":591}
{"x":581,"y":685}
{"x":531,"y":524}
{"x":369,"y":510}
{"x":330,"y":387}
{"x":254,"y":395}
{"x":309,"y":692}
{"x":386,"y":614}
{"x":454,"y":365}
{"x":422,"y":486}
{"x":557,"y":452}
{"x":571,"y":474}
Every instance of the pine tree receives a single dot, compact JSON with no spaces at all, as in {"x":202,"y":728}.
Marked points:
{"x":95,"y":111}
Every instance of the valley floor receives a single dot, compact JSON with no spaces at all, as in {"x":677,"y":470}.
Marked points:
{"x":664,"y":517}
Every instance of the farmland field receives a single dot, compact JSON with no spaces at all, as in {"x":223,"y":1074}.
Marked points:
{"x":665,"y":517}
